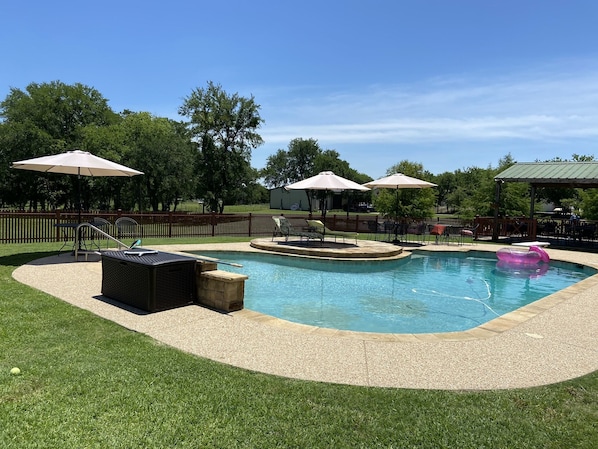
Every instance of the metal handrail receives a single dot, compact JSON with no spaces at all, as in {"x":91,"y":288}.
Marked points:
{"x":97,"y":230}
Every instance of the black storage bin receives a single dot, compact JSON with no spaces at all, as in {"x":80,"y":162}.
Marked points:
{"x":148,"y":280}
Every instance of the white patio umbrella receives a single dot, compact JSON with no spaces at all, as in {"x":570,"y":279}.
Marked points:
{"x":326,"y":181}
{"x":398,"y":181}
{"x":76,"y":162}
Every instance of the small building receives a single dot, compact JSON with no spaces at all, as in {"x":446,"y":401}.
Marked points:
{"x":280,"y":198}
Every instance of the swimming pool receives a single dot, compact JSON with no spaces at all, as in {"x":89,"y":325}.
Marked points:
{"x":425,"y":292}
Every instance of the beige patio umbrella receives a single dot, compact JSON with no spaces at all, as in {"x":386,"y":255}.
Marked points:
{"x":76,"y":162}
{"x":326,"y":181}
{"x":398,"y":181}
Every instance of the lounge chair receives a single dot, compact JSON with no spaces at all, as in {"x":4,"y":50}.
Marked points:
{"x":284,"y":229}
{"x":319,"y":227}
{"x":469,"y":233}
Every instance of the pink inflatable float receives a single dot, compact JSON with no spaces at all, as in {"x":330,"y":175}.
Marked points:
{"x":521,"y":256}
{"x":531,"y":271}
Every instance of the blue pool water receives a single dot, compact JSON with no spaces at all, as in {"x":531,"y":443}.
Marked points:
{"x":439,"y":292}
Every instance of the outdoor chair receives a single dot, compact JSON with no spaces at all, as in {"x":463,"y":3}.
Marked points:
{"x":451,"y":233}
{"x":418,"y":230}
{"x":127,"y":227}
{"x":469,"y":233}
{"x":95,"y":238}
{"x":318,"y":226}
{"x":283,"y":228}
{"x":454,"y":234}
{"x":440,"y":232}
{"x":390,"y":229}
{"x":374,"y":226}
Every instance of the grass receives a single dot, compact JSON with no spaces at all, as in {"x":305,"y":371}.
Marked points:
{"x":264,"y":208}
{"x":89,"y":383}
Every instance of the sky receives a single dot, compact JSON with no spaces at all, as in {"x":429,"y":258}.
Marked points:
{"x":449,"y":84}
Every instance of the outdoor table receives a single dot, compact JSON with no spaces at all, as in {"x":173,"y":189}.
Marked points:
{"x":393,"y":229}
{"x":67,"y":229}
{"x":77,"y":236}
{"x":149,"y":280}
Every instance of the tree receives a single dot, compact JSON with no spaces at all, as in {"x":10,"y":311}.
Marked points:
{"x":447,"y":184}
{"x":589,"y":204}
{"x":225,"y":128}
{"x":406,"y":203}
{"x":296,"y":163}
{"x":46,"y":118}
{"x":163,"y":148}
{"x":566,"y":197}
{"x":275,"y":173}
{"x":473,"y":192}
{"x":58,"y":109}
{"x":304,"y":158}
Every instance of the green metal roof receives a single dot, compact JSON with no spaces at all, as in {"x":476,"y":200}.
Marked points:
{"x":559,"y":174}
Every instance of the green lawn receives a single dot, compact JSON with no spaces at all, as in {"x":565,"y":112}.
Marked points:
{"x":89,"y":383}
{"x":189,"y":206}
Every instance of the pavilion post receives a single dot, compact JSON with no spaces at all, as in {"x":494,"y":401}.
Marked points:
{"x":533,"y":202}
{"x":496,"y":204}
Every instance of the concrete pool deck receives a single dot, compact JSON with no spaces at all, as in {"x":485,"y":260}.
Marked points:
{"x":548,"y":341}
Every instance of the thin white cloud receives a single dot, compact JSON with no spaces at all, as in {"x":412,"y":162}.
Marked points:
{"x":534,"y":105}
{"x":443,"y":130}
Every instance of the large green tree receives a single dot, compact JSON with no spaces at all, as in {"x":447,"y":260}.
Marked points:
{"x":446,"y":184}
{"x":471,"y":191}
{"x":45,"y":118}
{"x":567,"y":197}
{"x":163,"y":148}
{"x":160,"y":147}
{"x":296,"y":163}
{"x":304,"y":158}
{"x":406,"y":203}
{"x":225,"y":129}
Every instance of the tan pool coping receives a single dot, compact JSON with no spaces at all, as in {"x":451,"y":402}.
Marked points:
{"x":548,"y":341}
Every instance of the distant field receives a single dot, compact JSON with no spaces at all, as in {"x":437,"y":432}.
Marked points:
{"x":190,"y":206}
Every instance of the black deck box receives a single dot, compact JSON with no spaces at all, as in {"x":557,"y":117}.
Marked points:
{"x":148,"y":280}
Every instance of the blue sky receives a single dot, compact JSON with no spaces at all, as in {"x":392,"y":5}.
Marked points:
{"x":449,"y":84}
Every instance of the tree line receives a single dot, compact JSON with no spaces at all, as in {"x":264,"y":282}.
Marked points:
{"x":467,"y":192}
{"x":207,"y":155}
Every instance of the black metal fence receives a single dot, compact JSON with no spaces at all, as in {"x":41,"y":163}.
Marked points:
{"x":30,"y":227}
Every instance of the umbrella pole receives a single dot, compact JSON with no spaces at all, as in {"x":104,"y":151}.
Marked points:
{"x":397,"y":216}
{"x":79,"y":230}
{"x":348,"y":201}
{"x":79,"y":195}
{"x":324,"y":214}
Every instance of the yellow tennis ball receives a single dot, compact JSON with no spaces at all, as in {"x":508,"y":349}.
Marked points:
{"x":16,"y":371}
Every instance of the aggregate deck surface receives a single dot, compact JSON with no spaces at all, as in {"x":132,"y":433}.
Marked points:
{"x":548,"y":341}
